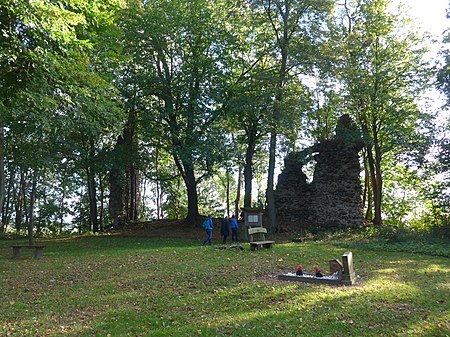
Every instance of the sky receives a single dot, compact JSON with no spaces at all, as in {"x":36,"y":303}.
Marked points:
{"x":430,"y":14}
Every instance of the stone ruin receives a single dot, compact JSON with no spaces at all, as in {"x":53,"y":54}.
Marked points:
{"x":333,"y":198}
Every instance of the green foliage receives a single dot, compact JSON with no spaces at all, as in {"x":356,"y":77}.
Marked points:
{"x":437,"y":216}
{"x":399,"y":239}
{"x":385,"y":72}
{"x":402,"y":199}
{"x":175,"y":204}
{"x":57,"y":107}
{"x":179,"y":93}
{"x":387,"y":238}
{"x":443,"y":75}
{"x":207,"y":81}
{"x":388,"y":232}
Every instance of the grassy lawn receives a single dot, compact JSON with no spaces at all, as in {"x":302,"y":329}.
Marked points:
{"x":137,"y":286}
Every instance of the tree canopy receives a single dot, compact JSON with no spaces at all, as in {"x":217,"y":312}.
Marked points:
{"x":114,"y":111}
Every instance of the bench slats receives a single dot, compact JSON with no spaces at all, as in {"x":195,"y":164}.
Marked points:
{"x":262,"y":242}
{"x":256,"y":230}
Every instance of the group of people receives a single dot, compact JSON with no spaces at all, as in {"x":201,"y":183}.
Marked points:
{"x":224,"y":229}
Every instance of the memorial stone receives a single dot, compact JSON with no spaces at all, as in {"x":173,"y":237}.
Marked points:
{"x":348,"y":275}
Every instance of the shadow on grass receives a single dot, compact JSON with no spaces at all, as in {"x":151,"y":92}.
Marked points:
{"x":282,"y":309}
{"x":437,"y":248}
{"x":109,"y":245}
{"x":170,"y":287}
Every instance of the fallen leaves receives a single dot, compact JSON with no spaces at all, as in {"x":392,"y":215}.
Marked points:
{"x":194,"y":290}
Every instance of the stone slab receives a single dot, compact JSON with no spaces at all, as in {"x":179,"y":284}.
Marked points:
{"x":316,"y":280}
{"x":348,"y":275}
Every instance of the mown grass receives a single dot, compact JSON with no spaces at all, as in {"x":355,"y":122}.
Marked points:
{"x":128,"y":286}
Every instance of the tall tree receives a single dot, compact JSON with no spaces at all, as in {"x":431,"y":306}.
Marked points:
{"x":33,"y":40}
{"x":438,"y":191}
{"x":384,"y":71}
{"x":249,"y":104}
{"x":443,"y":76}
{"x":248,"y":93}
{"x":50,"y":87}
{"x":124,"y":175}
{"x":2,"y":176}
{"x":295,"y":27}
{"x":177,"y":49}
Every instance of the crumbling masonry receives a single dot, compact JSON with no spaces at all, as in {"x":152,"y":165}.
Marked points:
{"x":333,"y":198}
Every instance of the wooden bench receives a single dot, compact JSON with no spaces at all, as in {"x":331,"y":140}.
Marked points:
{"x":38,"y":252}
{"x":262,"y":242}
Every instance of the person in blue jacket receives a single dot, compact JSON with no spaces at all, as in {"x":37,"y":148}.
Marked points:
{"x":225,"y":229}
{"x":208,"y":226}
{"x":234,"y":229}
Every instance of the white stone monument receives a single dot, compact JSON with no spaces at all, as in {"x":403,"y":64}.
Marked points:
{"x":348,"y":275}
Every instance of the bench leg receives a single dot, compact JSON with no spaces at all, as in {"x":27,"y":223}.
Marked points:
{"x":16,"y":252}
{"x":39,"y":253}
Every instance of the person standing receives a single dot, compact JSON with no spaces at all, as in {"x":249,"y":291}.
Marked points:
{"x":234,"y":229}
{"x":208,"y":227}
{"x":225,"y":229}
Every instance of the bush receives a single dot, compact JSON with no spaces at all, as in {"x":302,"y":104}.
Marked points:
{"x":388,"y":233}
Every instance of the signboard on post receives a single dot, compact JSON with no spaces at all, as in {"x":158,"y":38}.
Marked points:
{"x":252,"y":218}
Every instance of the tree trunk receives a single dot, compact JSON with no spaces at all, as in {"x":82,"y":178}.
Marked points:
{"x":102,"y":196}
{"x":283,"y":44}
{"x":367,"y":196}
{"x":2,"y":175}
{"x":6,"y":204}
{"x":92,"y":193}
{"x":238,"y":194}
{"x":39,"y":222}
{"x":123,"y":177}
{"x":228,"y":193}
{"x":369,"y":210}
{"x":187,"y":172}
{"x":271,"y":210}
{"x":378,"y":188}
{"x":18,"y":205}
{"x":159,"y":213}
{"x":177,"y":206}
{"x":61,"y":209}
{"x":31,"y":211}
{"x":375,"y":188}
{"x":193,"y":216}
{"x":158,"y":187}
{"x":133,"y":188}
{"x":116,"y":197}
{"x":248,"y":169}
{"x":117,"y":185}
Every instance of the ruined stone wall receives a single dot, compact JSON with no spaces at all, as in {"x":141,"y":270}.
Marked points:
{"x":333,"y":198}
